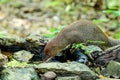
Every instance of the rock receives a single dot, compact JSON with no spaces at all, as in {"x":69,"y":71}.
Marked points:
{"x":68,"y":78}
{"x":1,"y":68}
{"x":8,"y":40}
{"x":50,"y":75}
{"x":37,"y":39}
{"x":19,"y":74}
{"x":15,"y":63}
{"x":3,"y":59}
{"x":113,"y":69}
{"x":112,"y":53}
{"x":23,"y":56}
{"x":92,"y":48}
{"x":70,"y":68}
{"x":35,"y":44}
{"x":108,"y":79}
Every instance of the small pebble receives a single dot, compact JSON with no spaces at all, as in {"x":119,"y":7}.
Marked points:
{"x":50,"y":75}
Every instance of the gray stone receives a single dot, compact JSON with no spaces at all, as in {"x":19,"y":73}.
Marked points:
{"x":50,"y":75}
{"x":3,"y":59}
{"x":19,"y":74}
{"x":70,"y":68}
{"x":37,"y":39}
{"x":7,"y":40}
{"x":113,"y":69}
{"x":68,"y":78}
{"x":23,"y":56}
{"x":108,"y":79}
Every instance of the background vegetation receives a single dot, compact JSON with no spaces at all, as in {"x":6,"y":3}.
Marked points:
{"x":48,"y":17}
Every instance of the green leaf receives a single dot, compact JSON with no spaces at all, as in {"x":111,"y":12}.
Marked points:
{"x":101,"y":20}
{"x":115,"y":12}
{"x":53,"y":4}
{"x":79,"y":45}
{"x":2,"y":35}
{"x":116,"y":35}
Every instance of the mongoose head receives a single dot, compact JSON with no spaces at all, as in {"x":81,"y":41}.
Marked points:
{"x":51,"y":50}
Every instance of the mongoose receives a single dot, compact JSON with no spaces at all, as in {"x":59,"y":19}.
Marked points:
{"x":78,"y":32}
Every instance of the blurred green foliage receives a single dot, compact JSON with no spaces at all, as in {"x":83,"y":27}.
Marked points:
{"x":53,"y":4}
{"x":16,"y":4}
{"x":54,"y":31}
{"x":4,"y":1}
{"x":58,"y":3}
{"x":113,"y":4}
{"x":117,"y":34}
{"x":70,"y":8}
{"x":116,"y":13}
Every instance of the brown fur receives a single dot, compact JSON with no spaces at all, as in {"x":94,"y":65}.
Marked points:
{"x":78,"y":32}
